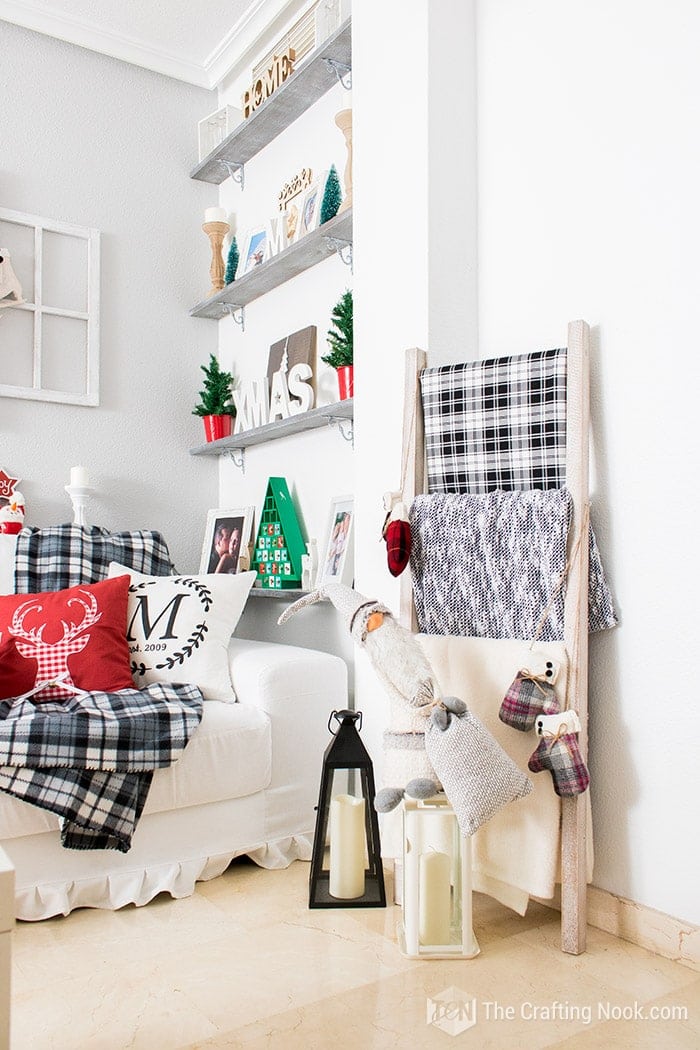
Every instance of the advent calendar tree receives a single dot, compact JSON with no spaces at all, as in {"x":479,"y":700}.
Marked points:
{"x":279,"y":545}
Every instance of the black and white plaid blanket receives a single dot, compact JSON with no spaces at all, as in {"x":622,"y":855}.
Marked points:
{"x":91,"y":759}
{"x":63,"y":556}
{"x":496,"y":424}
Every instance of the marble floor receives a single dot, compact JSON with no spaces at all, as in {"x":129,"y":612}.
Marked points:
{"x":244,"y":963}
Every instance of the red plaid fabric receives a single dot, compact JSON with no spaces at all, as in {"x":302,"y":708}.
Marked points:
{"x":562,"y":757}
{"x":525,"y":700}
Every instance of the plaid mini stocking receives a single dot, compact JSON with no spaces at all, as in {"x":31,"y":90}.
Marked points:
{"x":558,"y":751}
{"x":529,"y":694}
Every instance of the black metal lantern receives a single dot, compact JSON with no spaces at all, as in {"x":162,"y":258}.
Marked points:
{"x":346,"y":865}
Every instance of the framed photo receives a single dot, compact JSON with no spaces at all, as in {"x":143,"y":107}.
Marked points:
{"x":255,"y":249}
{"x":336,"y":556}
{"x":226,"y":539}
{"x":310,"y":207}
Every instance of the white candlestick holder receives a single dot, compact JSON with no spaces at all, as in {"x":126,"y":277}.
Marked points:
{"x":79,"y":497}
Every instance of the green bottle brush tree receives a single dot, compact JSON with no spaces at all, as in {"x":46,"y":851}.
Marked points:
{"x":340,"y":334}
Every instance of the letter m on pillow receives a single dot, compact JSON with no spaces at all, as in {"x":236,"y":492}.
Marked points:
{"x":144,"y":610}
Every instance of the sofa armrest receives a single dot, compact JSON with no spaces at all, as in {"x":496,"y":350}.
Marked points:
{"x":298,"y":689}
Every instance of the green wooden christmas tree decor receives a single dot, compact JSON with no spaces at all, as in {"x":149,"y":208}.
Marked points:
{"x":332,"y":196}
{"x":231,"y":263}
{"x":279,"y":544}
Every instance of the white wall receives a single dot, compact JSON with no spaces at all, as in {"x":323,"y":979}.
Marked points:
{"x":589,"y":168}
{"x":96,"y":142}
{"x":317,"y":465}
{"x":415,"y":248}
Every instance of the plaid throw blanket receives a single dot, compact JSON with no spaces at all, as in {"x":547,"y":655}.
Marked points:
{"x":496,"y":424}
{"x":67,"y":555}
{"x":91,"y":759}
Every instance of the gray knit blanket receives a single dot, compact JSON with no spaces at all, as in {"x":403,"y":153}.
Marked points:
{"x":487,"y":565}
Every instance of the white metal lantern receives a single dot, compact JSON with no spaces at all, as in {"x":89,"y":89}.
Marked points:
{"x":437,"y":892}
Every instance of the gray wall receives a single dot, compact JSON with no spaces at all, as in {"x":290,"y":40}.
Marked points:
{"x":96,"y":142}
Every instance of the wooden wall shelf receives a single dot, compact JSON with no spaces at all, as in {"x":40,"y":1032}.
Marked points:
{"x":314,"y":77}
{"x":323,"y":416}
{"x":298,"y":257}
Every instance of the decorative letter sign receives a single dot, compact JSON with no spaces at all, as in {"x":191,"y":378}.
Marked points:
{"x":281,"y":67}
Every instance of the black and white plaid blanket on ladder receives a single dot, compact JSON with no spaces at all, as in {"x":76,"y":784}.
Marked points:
{"x":91,"y":759}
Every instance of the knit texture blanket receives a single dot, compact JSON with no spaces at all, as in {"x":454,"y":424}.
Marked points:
{"x":91,"y":759}
{"x":488,"y":565}
{"x":67,"y":555}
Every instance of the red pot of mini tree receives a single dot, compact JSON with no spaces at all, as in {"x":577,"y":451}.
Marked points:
{"x":216,"y":401}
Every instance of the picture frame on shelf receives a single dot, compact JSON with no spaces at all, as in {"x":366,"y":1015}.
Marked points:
{"x":310,"y":207}
{"x":227,"y":538}
{"x":255,"y":249}
{"x":336,"y":563}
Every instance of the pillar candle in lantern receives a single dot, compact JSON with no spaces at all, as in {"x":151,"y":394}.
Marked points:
{"x":347,"y":859}
{"x":434,"y":898}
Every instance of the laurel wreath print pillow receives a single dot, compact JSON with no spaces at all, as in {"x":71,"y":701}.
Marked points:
{"x":178,"y":628}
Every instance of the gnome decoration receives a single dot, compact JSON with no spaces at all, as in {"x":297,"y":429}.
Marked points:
{"x":11,"y":505}
{"x":393,"y":651}
{"x":455,"y":745}
{"x":10,"y":288}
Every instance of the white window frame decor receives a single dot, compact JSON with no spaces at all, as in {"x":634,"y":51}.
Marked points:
{"x":90,"y":392}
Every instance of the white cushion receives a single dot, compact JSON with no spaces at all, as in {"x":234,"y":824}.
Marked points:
{"x":229,"y":756}
{"x":8,"y":545}
{"x":179,"y":627}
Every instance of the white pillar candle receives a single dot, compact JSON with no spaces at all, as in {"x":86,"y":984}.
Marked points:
{"x":434,"y":898}
{"x":79,"y":477}
{"x":347,"y":859}
{"x":215,"y":215}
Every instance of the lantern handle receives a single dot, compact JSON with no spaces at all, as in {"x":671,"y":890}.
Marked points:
{"x":342,"y":716}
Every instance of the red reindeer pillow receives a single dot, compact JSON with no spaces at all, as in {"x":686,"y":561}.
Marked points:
{"x":74,"y":639}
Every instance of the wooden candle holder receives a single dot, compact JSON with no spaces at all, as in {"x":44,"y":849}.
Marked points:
{"x":343,"y":120}
{"x":216,"y":231}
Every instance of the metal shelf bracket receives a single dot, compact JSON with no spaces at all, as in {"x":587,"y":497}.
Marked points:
{"x":345,"y":428}
{"x":343,"y":248}
{"x":236,"y":172}
{"x":236,"y":313}
{"x":237,"y":457}
{"x":343,"y":72}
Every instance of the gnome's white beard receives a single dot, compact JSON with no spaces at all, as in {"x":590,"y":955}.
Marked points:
{"x":399,"y":662}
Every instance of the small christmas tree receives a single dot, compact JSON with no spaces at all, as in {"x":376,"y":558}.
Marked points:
{"x":340,"y":336}
{"x":216,"y":398}
{"x":231,"y":263}
{"x":332,"y":196}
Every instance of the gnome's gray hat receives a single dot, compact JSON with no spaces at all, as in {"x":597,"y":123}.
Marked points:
{"x":352,"y":606}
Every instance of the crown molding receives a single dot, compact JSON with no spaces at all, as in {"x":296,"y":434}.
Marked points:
{"x":244,"y":37}
{"x":225,"y":59}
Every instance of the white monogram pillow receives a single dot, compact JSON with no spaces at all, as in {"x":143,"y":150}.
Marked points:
{"x":178,"y":628}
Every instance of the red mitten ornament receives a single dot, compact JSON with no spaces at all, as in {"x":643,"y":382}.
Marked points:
{"x":396,"y":533}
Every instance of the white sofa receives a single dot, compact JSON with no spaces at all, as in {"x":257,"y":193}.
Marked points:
{"x":247,"y":783}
